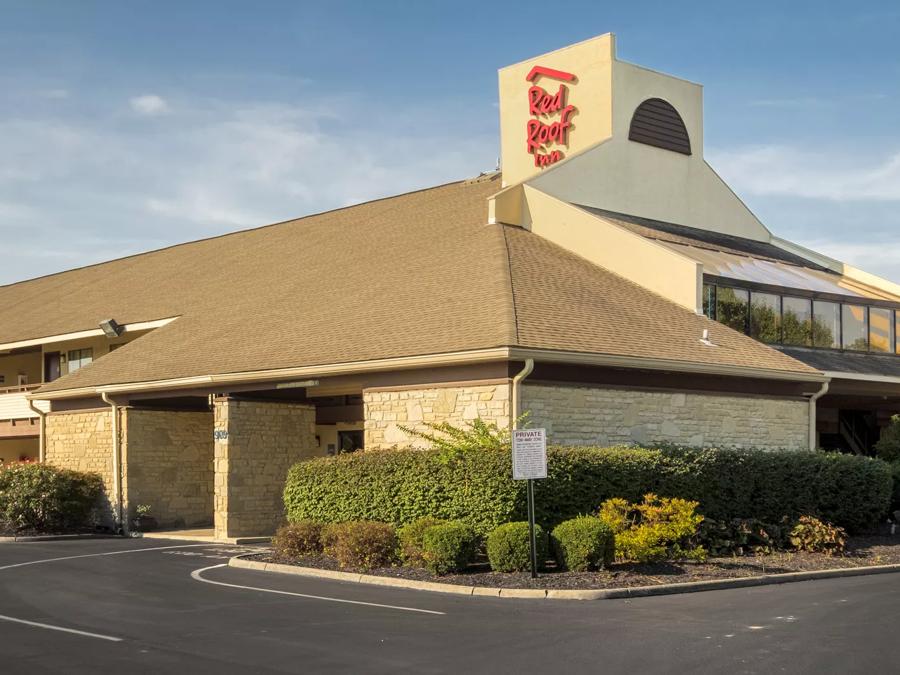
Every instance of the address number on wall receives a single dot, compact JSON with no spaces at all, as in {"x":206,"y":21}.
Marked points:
{"x":220,"y":434}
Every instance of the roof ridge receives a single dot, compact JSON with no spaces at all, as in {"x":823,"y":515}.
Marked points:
{"x":235,"y":232}
{"x":512,"y":290}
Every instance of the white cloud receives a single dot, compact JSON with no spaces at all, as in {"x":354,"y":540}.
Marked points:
{"x":150,"y":105}
{"x":97,"y":188}
{"x":787,"y":171}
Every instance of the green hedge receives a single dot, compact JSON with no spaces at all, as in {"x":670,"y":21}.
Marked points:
{"x":41,"y":498}
{"x":399,"y":486}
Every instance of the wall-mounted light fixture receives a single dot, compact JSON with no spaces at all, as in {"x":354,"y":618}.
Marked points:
{"x":110,"y":328}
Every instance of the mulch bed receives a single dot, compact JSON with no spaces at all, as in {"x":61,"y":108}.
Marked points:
{"x":861,"y":552}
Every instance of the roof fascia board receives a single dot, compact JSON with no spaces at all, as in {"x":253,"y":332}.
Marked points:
{"x":79,"y":335}
{"x":402,"y":363}
{"x":616,"y":361}
{"x":452,"y":358}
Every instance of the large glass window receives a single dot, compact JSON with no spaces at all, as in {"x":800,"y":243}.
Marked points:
{"x":826,"y":324}
{"x":765,"y":317}
{"x":79,"y":358}
{"x":796,"y":322}
{"x":731,"y":307}
{"x":855,"y":327}
{"x":881,"y":329}
{"x":793,"y":320}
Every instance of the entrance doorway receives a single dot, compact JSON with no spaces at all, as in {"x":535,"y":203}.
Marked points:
{"x":51,"y":366}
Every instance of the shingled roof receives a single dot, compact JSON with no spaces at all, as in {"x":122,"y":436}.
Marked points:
{"x":417,"y":274}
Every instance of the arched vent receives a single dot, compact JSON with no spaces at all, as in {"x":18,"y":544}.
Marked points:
{"x":657,"y":123}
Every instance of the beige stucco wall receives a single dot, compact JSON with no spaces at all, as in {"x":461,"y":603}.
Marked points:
{"x":82,"y":441}
{"x":575,"y":415}
{"x":13,"y":449}
{"x":388,"y":410}
{"x":612,"y":247}
{"x":256,"y":443}
{"x":169,"y":465}
{"x":591,"y":62}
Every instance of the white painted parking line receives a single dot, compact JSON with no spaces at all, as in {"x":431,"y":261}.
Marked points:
{"x":96,"y":555}
{"x":61,"y":629}
{"x":196,"y":574}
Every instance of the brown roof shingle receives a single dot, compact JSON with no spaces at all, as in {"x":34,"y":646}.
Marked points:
{"x":421,"y":273}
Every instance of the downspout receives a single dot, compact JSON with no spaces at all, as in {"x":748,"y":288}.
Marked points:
{"x":116,"y":460}
{"x":517,"y":391}
{"x":43,"y":417}
{"x":812,"y":414}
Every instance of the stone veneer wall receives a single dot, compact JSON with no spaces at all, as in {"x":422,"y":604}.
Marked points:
{"x":579,"y":415}
{"x":387,"y":410}
{"x":256,"y":443}
{"x":82,"y":441}
{"x":169,"y":465}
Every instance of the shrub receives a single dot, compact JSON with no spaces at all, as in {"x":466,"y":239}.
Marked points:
{"x":298,"y":539}
{"x":583,"y":543}
{"x":509,"y":550}
{"x":813,"y":535}
{"x":653,"y":530}
{"x":888,"y":446}
{"x":410,"y":537}
{"x":361,"y":544}
{"x":895,"y":496}
{"x":44,"y":498}
{"x":400,"y":486}
{"x":449,"y":547}
{"x":742,"y":536}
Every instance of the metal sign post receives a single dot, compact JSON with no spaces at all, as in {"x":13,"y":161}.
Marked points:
{"x":529,"y":463}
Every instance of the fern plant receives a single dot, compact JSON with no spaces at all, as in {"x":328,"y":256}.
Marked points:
{"x":453,"y":442}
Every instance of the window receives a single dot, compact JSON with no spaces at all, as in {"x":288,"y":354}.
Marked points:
{"x":79,"y":358}
{"x":792,"y":320}
{"x":855,"y":327}
{"x":731,"y":307}
{"x":765,"y":317}
{"x":350,"y":441}
{"x":796,"y":322}
{"x":709,"y":300}
{"x":826,"y":324}
{"x":881,"y":329}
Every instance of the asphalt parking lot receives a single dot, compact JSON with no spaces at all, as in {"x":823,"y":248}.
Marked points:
{"x":154,"y":606}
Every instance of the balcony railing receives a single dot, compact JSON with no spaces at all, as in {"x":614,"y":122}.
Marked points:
{"x":14,"y":405}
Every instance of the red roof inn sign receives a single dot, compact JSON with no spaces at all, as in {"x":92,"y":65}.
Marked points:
{"x":551,"y":117}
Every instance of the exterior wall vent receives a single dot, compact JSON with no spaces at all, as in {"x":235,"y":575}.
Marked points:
{"x":657,"y":123}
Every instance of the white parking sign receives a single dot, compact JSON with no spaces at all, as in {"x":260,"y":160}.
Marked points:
{"x":529,"y":454}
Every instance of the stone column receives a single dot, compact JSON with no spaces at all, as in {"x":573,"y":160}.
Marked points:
{"x":256,"y":442}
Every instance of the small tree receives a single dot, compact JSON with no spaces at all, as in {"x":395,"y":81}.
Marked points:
{"x":888,"y":447}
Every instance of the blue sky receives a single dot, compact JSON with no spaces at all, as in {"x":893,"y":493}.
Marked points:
{"x":130,"y":126}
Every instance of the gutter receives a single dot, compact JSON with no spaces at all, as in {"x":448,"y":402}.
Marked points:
{"x":517,"y":391}
{"x":862,"y":377}
{"x":431,"y":360}
{"x":116,"y":461}
{"x":43,"y":417}
{"x":812,"y":414}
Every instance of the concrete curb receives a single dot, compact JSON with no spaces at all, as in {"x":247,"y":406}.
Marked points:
{"x":55,"y":537}
{"x":564,"y":594}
